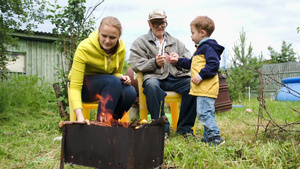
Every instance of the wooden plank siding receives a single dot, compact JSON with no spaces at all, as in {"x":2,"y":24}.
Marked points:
{"x":273,"y":75}
{"x":41,"y":56}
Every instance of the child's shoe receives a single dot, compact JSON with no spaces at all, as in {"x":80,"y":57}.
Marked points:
{"x":216,"y":141}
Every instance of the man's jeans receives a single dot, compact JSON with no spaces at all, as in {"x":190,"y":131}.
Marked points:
{"x":206,"y":115}
{"x":154,"y":91}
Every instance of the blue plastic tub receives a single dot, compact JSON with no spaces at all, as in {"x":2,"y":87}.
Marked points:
{"x":290,"y":91}
{"x":237,"y":106}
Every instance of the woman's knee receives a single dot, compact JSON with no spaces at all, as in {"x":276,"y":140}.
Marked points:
{"x":113,"y":80}
{"x":130,"y":92}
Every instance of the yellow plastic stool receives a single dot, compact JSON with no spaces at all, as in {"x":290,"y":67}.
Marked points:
{"x":86,"y":110}
{"x":172,"y":97}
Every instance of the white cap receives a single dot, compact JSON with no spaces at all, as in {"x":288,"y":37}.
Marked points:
{"x":157,"y":14}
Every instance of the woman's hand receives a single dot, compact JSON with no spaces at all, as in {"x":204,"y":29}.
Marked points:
{"x":79,"y":115}
{"x":125,"y":79}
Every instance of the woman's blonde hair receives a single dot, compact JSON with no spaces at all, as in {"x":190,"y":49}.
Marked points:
{"x":112,"y":21}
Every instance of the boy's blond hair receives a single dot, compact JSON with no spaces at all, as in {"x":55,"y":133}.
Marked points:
{"x":203,"y":23}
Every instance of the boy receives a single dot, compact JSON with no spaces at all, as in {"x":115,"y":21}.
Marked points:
{"x":204,"y":67}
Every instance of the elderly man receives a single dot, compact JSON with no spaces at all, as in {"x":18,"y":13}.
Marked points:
{"x":148,"y":55}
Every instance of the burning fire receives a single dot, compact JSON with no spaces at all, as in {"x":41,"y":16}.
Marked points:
{"x":105,"y":114}
{"x":142,"y":122}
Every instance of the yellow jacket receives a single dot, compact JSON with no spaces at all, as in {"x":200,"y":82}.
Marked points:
{"x":90,"y":59}
{"x":208,"y":87}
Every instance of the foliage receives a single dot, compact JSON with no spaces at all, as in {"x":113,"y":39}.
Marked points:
{"x":62,"y":96}
{"x":24,"y":92}
{"x":73,"y":23}
{"x":298,"y":29}
{"x":27,"y":121}
{"x":241,"y":150}
{"x":14,"y":15}
{"x":29,"y":135}
{"x":287,"y":54}
{"x":244,"y":71}
{"x":125,"y":68}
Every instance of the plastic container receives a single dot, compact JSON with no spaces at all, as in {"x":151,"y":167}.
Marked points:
{"x":290,"y":90}
{"x":238,"y":106}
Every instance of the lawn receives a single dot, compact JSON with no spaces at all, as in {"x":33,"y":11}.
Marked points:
{"x":29,"y":129}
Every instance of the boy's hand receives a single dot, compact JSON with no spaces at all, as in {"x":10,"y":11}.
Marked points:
{"x":173,"y":57}
{"x":196,"y":79}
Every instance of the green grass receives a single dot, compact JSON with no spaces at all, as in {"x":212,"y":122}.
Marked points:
{"x":241,"y":150}
{"x":29,"y":120}
{"x":28,"y":124}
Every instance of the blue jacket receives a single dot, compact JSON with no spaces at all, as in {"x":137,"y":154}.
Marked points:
{"x":212,"y":52}
{"x":205,"y":62}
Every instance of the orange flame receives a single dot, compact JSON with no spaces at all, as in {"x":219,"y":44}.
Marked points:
{"x":124,"y":120}
{"x":105,"y":114}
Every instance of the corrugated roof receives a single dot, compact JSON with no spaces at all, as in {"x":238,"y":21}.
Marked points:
{"x":37,"y":35}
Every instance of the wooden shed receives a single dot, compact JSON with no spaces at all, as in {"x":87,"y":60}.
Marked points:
{"x":37,"y":55}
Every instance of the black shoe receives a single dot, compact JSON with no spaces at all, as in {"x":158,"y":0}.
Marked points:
{"x":203,"y":141}
{"x":190,"y":136}
{"x":216,"y":141}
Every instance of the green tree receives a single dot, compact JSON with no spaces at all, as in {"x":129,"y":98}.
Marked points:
{"x":16,"y":14}
{"x":73,"y":23}
{"x":244,"y":71}
{"x":126,"y":66}
{"x":287,"y":54}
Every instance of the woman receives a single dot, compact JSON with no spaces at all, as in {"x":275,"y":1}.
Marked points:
{"x":96,"y":73}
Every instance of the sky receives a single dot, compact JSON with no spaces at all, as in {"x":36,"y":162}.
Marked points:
{"x":265,"y":22}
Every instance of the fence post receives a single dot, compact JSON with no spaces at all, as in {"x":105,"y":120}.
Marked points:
{"x":249,"y":94}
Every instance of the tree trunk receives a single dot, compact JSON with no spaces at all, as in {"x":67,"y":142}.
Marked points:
{"x":61,"y":104}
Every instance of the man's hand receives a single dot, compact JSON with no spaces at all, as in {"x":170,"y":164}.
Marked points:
{"x":160,"y":60}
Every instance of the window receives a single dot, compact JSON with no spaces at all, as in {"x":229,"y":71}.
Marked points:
{"x":16,"y":63}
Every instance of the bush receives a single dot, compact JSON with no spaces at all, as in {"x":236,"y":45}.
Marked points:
{"x":23,"y":95}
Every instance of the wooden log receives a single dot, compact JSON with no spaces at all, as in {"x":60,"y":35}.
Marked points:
{"x":158,"y":122}
{"x":63,"y":123}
